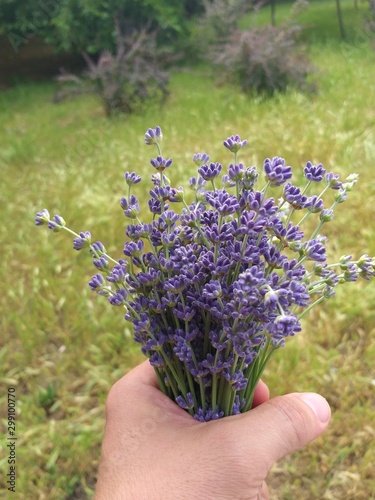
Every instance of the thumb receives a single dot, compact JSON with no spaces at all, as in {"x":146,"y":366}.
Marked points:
{"x":284,"y":424}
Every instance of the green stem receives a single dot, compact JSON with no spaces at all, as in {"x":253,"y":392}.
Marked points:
{"x":311,"y":306}
{"x":255,"y":372}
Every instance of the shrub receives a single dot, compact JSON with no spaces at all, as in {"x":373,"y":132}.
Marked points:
{"x":265,"y":59}
{"x":124,"y":80}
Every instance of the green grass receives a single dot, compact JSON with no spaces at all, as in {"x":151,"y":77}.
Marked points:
{"x":62,"y":347}
{"x":319,"y":20}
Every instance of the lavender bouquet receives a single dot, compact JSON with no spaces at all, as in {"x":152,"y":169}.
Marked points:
{"x":213,"y":290}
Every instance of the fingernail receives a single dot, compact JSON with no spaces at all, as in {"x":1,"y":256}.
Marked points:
{"x":318,"y":405}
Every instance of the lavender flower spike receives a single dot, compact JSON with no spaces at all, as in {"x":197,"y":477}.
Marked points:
{"x":83,"y":241}
{"x":200,"y":158}
{"x":276,"y":171}
{"x":153,"y":136}
{"x":56,"y":224}
{"x":42,"y":217}
{"x":132,"y":178}
{"x":209,"y":172}
{"x":160,"y":163}
{"x":234,"y":143}
{"x":314,"y":173}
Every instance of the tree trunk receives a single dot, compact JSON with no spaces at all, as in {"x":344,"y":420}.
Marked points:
{"x":273,"y":12}
{"x":340,"y":19}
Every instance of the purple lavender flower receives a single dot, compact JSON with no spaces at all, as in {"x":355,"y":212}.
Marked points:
{"x":315,"y":204}
{"x":351,"y":273}
{"x":284,"y":326}
{"x":101,"y":263}
{"x":185,"y":403}
{"x":223,"y":202}
{"x":249,"y":178}
{"x":160,"y":179}
{"x":213,"y":290}
{"x":236,"y":172}
{"x":162,"y":193}
{"x":234,"y":143}
{"x":218,"y":234}
{"x":160,"y":163}
{"x":298,"y":293}
{"x":326,"y":215}
{"x":210,"y":171}
{"x":236,"y":380}
{"x":341,"y":196}
{"x":176,"y":195}
{"x":333,"y":180}
{"x":119,"y":298}
{"x":133,"y":248}
{"x":130,"y":207}
{"x":153,"y":136}
{"x":314,"y":173}
{"x":294,"y":197}
{"x":97,"y":249}
{"x":197,"y":184}
{"x":255,"y":200}
{"x":97,"y":282}
{"x":366,"y":265}
{"x":155,"y":206}
{"x":207,"y":415}
{"x":132,"y":178}
{"x":118,"y":273}
{"x":200,"y":159}
{"x":56,"y":224}
{"x":169,"y":218}
{"x":137,"y":231}
{"x":42,"y":217}
{"x":83,"y":241}
{"x":276,"y":171}
{"x":176,"y":284}
{"x":285,"y":234}
{"x":315,"y":250}
{"x":150,"y":278}
{"x":227,"y":181}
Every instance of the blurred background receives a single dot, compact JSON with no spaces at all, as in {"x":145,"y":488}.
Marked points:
{"x":80,"y":83}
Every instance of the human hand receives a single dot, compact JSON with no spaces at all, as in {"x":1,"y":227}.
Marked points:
{"x":154,"y":450}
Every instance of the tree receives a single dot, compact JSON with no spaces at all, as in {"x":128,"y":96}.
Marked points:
{"x":80,"y":25}
{"x":340,"y":19}
{"x":273,"y":12}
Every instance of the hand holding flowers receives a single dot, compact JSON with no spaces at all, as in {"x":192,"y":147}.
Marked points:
{"x":213,"y":289}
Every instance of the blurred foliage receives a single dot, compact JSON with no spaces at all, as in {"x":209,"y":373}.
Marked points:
{"x":124,"y":81}
{"x":264,"y":59}
{"x":217,"y":20}
{"x":77,"y":25}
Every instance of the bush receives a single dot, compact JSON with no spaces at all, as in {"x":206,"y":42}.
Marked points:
{"x":265,"y":59}
{"x":125,"y":80}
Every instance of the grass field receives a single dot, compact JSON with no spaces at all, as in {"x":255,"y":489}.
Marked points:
{"x":62,"y":348}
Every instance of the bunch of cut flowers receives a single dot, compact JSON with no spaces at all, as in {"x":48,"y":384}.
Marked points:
{"x":214,"y":287}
